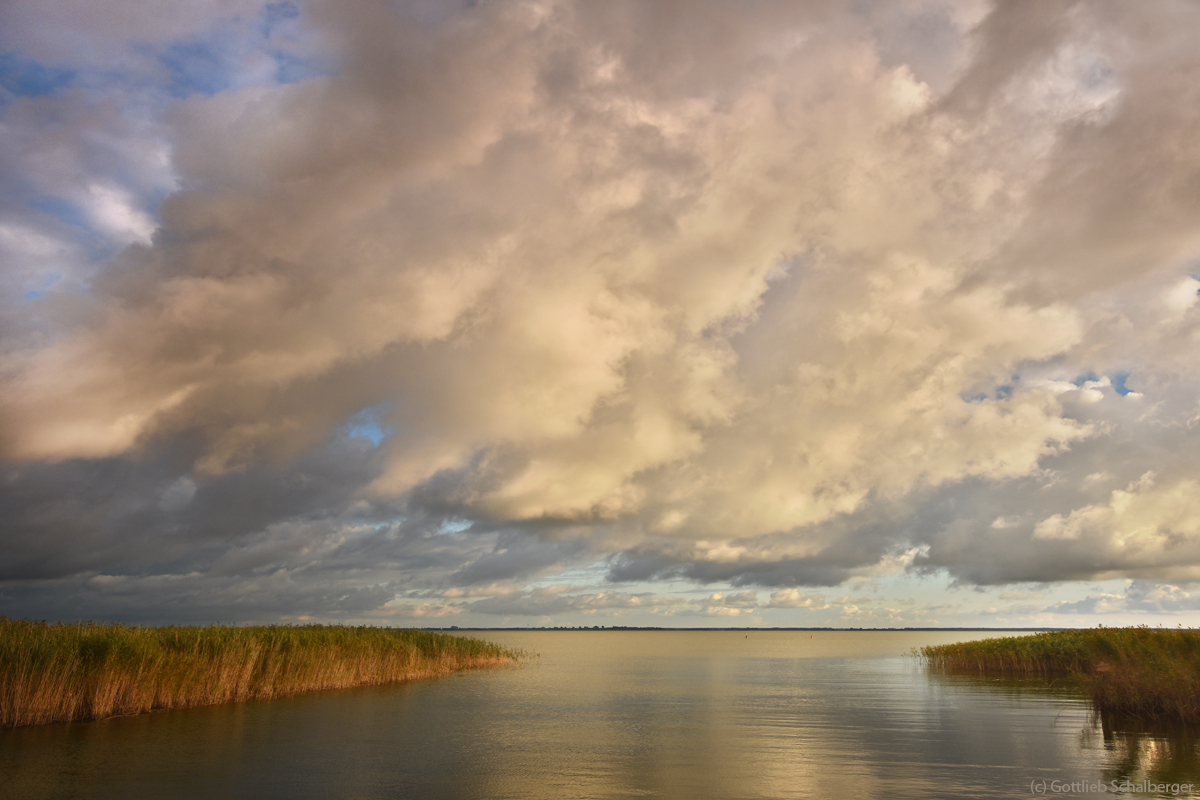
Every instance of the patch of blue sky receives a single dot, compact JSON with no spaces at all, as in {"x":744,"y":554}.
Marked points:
{"x":368,"y":430}
{"x":291,"y":68}
{"x":47,"y":282}
{"x":283,"y":34}
{"x":368,"y":424}
{"x":25,"y":77}
{"x":94,"y":243}
{"x":1118,"y":382}
{"x":198,"y":67}
{"x":153,"y":198}
{"x":62,"y":210}
{"x":1001,"y":392}
{"x":217,"y":61}
{"x":276,"y":14}
{"x":454,"y":525}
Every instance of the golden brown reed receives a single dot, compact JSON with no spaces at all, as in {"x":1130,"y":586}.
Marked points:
{"x":1148,"y":673}
{"x":54,"y":672}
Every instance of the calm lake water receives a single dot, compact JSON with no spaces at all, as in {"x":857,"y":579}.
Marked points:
{"x":608,"y":714}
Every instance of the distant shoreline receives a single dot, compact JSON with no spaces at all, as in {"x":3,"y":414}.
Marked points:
{"x":744,"y":630}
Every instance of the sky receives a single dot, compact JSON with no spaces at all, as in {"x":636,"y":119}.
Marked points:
{"x":554,"y":313}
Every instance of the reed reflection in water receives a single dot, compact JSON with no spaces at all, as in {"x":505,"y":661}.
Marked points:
{"x":607,"y":714}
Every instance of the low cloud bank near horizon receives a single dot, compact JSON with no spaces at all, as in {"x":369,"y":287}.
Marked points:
{"x":364,"y":310}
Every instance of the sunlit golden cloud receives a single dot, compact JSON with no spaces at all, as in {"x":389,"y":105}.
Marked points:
{"x":775,"y":295}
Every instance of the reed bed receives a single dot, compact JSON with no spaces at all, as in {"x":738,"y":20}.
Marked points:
{"x":75,"y":672}
{"x":1147,"y":673}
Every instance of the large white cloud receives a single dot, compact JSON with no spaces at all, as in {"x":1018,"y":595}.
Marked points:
{"x":721,"y":287}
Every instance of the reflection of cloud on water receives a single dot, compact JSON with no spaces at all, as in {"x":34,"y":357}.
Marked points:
{"x":1123,"y":749}
{"x":1147,"y":751}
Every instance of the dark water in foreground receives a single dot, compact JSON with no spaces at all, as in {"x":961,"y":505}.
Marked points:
{"x":607,"y":714}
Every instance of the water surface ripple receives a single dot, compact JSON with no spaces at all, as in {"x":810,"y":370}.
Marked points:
{"x":625,"y":714}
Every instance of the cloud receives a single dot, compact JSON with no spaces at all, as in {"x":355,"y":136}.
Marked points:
{"x":777,"y":296}
{"x":792,"y":598}
{"x":1144,"y":523}
{"x":1141,"y":597}
{"x":546,"y":604}
{"x":431,"y":611}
